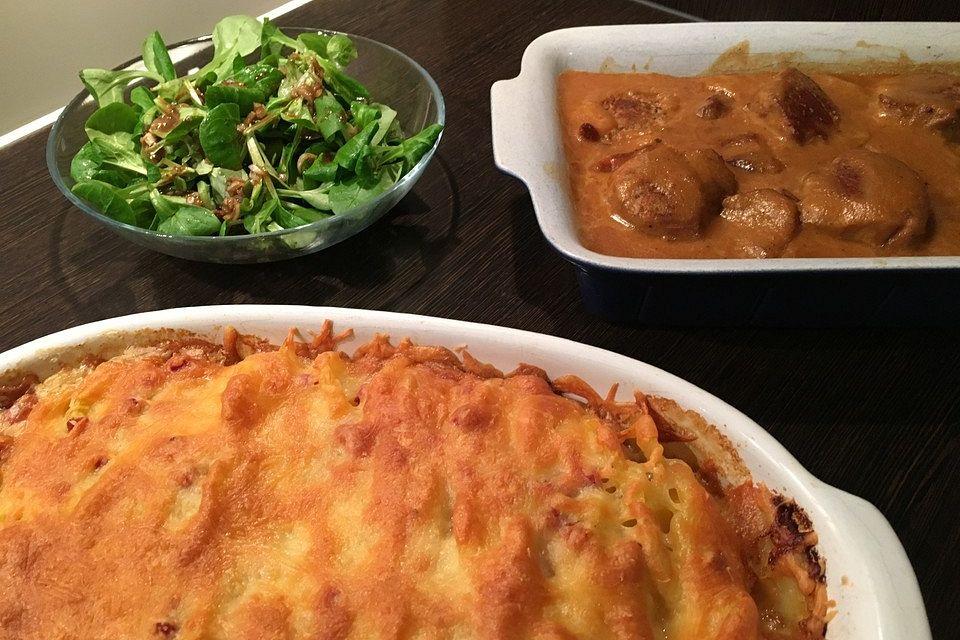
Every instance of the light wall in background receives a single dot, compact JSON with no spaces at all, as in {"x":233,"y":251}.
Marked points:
{"x":44,"y":43}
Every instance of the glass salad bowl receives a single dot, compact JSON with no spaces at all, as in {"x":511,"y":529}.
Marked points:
{"x":392,"y":78}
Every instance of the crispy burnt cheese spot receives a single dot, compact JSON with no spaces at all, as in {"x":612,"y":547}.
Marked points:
{"x":192,"y":491}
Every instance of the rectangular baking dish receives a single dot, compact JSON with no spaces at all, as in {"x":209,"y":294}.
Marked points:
{"x":778,"y":291}
{"x":868,"y":572}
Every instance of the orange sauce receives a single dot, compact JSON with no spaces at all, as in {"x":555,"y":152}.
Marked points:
{"x":927,"y":151}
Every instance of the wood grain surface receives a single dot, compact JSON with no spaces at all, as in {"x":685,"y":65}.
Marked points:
{"x":875,"y":412}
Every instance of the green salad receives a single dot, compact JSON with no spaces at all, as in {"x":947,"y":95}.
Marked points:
{"x":239,"y":146}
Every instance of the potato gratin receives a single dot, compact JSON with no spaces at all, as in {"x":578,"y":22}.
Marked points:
{"x":191,"y":491}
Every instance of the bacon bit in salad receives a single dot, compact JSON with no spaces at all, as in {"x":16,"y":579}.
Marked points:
{"x":256,"y":174}
{"x":258,"y":113}
{"x":194,"y":199}
{"x":152,"y":147}
{"x":165,"y":123}
{"x":309,"y":90}
{"x":312,"y":87}
{"x":235,"y":186}
{"x":316,"y":68}
{"x":230,"y":209}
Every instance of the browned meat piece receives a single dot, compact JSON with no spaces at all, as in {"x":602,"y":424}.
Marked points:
{"x":768,"y":220}
{"x":632,"y":110}
{"x":925,"y":99}
{"x":866,"y":197}
{"x":714,"y":107}
{"x":751,"y":153}
{"x":669,"y":194}
{"x":799,"y":106}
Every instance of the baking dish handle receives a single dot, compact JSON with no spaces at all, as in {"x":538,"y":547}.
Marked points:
{"x":898,"y":599}
{"x":508,"y":121}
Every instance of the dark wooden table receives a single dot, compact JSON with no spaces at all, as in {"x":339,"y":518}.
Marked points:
{"x":874,"y":412}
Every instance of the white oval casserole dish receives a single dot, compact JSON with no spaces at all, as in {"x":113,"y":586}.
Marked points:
{"x":868,"y":573}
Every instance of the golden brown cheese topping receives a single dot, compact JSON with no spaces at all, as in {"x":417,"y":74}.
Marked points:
{"x":174,"y":492}
{"x":764,"y":164}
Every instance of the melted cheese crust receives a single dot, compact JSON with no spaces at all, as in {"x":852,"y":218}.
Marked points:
{"x":399,"y":493}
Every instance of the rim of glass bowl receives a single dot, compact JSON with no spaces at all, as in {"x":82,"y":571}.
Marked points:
{"x":319,"y":224}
